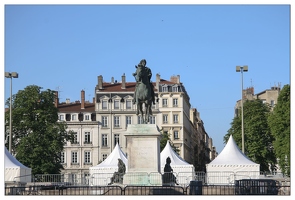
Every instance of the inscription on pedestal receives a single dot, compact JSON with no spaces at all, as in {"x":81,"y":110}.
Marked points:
{"x":143,"y":154}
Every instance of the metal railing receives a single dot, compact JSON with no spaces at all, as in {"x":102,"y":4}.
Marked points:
{"x":182,"y":178}
{"x":147,"y":190}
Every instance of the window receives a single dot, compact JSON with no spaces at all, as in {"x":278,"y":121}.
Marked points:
{"x":116,"y":139}
{"x":175,"y":89}
{"x":164,"y":102}
{"x":128,"y":104}
{"x":87,"y":159}
{"x":87,"y":139}
{"x":116,"y":104}
{"x":87,"y":117}
{"x":104,"y":141}
{"x":128,"y":120}
{"x":175,"y":134}
{"x":154,"y":105}
{"x":72,"y":178}
{"x":175,"y":118}
{"x":104,"y":104}
{"x":74,"y":117}
{"x":152,"y":120}
{"x":80,"y":117}
{"x":116,"y":121}
{"x":164,"y":89}
{"x":61,"y":118}
{"x":165,"y":119}
{"x":104,"y":156}
{"x":75,"y":138}
{"x":272,"y":103}
{"x":139,"y":120}
{"x":175,"y":102}
{"x":74,"y":157}
{"x":68,"y":117}
{"x":62,"y":157}
{"x":86,"y":178}
{"x":104,"y":120}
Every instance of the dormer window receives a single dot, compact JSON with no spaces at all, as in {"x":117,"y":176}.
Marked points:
{"x":164,"y":88}
{"x":74,"y":117}
{"x":61,"y":117}
{"x":116,"y":104}
{"x":87,"y":117}
{"x":104,"y":104}
{"x":175,"y":88}
{"x":128,"y":104}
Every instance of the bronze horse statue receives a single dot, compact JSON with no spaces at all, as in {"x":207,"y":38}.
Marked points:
{"x":143,"y":94}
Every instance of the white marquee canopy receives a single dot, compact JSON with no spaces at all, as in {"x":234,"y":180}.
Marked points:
{"x":184,"y":171}
{"x":231,"y":164}
{"x":14,"y":170}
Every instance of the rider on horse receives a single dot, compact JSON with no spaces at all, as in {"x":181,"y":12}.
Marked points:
{"x":142,"y":64}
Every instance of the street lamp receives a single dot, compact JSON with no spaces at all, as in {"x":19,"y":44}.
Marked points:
{"x":10,"y":75}
{"x":242,"y":69}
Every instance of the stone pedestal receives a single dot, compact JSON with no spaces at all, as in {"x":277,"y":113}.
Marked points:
{"x":143,"y":153}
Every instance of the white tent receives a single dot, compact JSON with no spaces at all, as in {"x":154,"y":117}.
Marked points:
{"x":184,"y":171}
{"x":103,"y":172}
{"x":16,"y":171}
{"x":230,"y":165}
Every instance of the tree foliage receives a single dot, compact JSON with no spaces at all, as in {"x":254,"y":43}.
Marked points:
{"x":279,"y":123}
{"x":257,"y":137}
{"x":38,"y":137}
{"x":163,"y":142}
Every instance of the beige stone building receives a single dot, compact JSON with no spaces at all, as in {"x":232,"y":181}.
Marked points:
{"x":269,"y":96}
{"x":101,"y":124}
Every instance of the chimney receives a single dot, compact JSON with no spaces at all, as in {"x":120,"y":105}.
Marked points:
{"x":175,"y":79}
{"x":67,"y":101}
{"x":123,"y":82}
{"x":100,"y":82}
{"x":56,"y":100}
{"x":93,"y":100}
{"x":157,"y":81}
{"x":82,"y":99}
{"x":112,"y":80}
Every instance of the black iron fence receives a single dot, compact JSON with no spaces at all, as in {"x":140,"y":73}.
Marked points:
{"x":195,"y":188}
{"x":186,"y":184}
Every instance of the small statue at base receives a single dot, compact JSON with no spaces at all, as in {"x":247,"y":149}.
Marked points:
{"x":118,"y":176}
{"x":168,"y":176}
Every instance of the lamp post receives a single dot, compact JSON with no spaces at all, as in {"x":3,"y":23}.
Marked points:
{"x":10,"y":75}
{"x":242,"y":69}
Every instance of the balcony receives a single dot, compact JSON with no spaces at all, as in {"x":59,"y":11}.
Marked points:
{"x":88,"y":142}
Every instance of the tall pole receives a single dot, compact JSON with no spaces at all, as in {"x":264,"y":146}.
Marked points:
{"x":10,"y":75}
{"x":242,"y":100}
{"x":242,"y":69}
{"x":10,"y":116}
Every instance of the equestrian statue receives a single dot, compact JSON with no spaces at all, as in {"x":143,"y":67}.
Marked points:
{"x":144,"y":91}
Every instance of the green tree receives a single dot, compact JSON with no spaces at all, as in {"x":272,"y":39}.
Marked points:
{"x":257,"y":137}
{"x":279,"y":123}
{"x":38,"y":138}
{"x":163,"y":142}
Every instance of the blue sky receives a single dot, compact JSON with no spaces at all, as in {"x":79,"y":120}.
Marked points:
{"x":65,"y":48}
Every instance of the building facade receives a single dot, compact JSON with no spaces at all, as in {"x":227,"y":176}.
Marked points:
{"x":269,"y":96}
{"x":99,"y":125}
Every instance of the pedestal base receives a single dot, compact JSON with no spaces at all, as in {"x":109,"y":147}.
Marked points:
{"x":143,"y":152}
{"x":142,"y":178}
